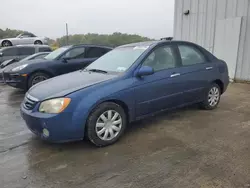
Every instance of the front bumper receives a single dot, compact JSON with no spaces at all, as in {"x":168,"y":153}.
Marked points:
{"x":15,"y":80}
{"x":61,"y":127}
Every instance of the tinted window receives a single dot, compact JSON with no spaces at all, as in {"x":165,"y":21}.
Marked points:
{"x":26,"y":51}
{"x":190,"y":55}
{"x":95,"y":52}
{"x":10,"y":52}
{"x":75,"y":53}
{"x":161,"y":58}
{"x":44,"y":49}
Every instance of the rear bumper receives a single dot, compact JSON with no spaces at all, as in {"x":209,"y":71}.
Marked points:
{"x":15,"y":80}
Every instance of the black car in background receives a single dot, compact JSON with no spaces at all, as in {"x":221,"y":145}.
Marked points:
{"x":19,"y":52}
{"x":63,"y":60}
{"x":38,"y":55}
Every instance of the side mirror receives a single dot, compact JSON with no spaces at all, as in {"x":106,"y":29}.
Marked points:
{"x":1,"y":54}
{"x":145,"y":71}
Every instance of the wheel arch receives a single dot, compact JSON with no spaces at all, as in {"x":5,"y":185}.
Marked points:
{"x":220,"y":84}
{"x":38,"y":40}
{"x":49,"y":73}
{"x":116,"y":101}
{"x":6,"y":40}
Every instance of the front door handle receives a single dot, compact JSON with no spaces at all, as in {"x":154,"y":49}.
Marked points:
{"x":208,"y":68}
{"x":174,"y":75}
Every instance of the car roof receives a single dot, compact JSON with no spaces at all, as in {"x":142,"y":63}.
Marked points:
{"x":89,"y":45}
{"x":27,"y":45}
{"x":33,"y":45}
{"x":156,"y":42}
{"x":148,"y":43}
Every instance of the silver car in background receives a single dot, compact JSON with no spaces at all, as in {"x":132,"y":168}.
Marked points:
{"x":24,"y":38}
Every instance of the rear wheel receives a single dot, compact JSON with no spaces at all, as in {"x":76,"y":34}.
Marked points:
{"x":6,"y":43}
{"x":212,"y":97}
{"x":36,"y":78}
{"x":106,"y":124}
{"x":38,"y":42}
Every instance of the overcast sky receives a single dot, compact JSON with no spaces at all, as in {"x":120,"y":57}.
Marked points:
{"x":151,"y":18}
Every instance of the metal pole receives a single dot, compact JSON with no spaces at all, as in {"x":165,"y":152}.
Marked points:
{"x":67,"y":34}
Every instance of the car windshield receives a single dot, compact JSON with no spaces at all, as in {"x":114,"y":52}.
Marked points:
{"x":118,"y":60}
{"x":53,"y":55}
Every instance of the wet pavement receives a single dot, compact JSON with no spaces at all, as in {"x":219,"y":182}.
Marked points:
{"x":185,"y":148}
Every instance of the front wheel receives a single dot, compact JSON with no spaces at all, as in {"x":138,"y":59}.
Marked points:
{"x":36,"y":78}
{"x":212,"y":97}
{"x":106,"y":124}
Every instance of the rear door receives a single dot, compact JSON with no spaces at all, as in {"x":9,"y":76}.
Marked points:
{"x":196,"y":72}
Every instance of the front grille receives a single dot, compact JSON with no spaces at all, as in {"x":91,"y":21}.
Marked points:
{"x":29,"y":102}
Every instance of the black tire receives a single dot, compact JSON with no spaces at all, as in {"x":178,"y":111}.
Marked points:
{"x":31,"y":80}
{"x":206,"y":104}
{"x":38,"y":42}
{"x":92,"y":121}
{"x":6,"y":43}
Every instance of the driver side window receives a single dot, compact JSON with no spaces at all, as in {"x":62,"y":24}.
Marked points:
{"x":161,"y":58}
{"x":75,"y":53}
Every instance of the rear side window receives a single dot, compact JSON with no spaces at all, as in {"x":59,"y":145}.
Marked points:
{"x":190,"y":55}
{"x":95,"y":52}
{"x":10,"y":52}
{"x":26,"y":51}
{"x":44,"y":49}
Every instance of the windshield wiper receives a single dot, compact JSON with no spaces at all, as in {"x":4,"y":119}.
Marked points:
{"x":97,"y":70}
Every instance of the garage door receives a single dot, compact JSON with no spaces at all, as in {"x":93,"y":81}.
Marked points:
{"x":226,"y":42}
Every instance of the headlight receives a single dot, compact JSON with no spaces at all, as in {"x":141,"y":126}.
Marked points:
{"x":19,"y":68}
{"x":54,"y":106}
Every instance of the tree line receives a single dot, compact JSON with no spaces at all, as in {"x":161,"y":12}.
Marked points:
{"x":112,"y":40}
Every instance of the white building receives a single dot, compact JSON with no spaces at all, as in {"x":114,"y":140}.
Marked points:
{"x":221,"y":26}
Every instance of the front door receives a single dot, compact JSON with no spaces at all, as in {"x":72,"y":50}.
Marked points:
{"x":73,"y":60}
{"x":163,"y":89}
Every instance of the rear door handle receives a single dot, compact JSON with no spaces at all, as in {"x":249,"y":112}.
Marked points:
{"x":174,"y":75}
{"x":208,"y":68}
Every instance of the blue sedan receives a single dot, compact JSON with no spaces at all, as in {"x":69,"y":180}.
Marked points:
{"x":129,"y":83}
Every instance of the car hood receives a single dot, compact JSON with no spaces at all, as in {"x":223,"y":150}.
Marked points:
{"x":65,"y":84}
{"x":30,"y":62}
